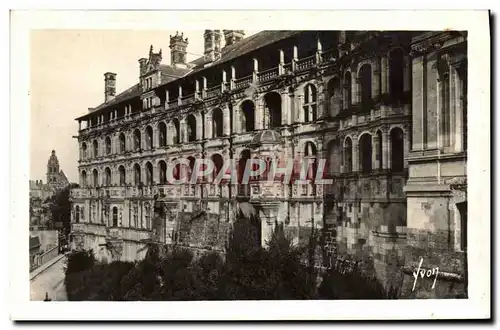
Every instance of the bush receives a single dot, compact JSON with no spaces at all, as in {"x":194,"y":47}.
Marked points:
{"x":78,"y":261}
{"x":101,"y":282}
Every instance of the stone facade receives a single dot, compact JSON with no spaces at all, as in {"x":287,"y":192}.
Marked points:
{"x":437,"y":186}
{"x":346,"y":97}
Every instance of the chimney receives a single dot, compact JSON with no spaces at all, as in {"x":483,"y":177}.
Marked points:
{"x":178,"y":50}
{"x":233,"y":36}
{"x":212,"y":45}
{"x":109,"y":86}
{"x":142,"y":66}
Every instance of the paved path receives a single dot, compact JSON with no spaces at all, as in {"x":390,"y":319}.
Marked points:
{"x":50,"y":280}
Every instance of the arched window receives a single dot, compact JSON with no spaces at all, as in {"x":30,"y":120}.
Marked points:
{"x":162,"y":134}
{"x":365,"y":85}
{"x":95,"y":147}
{"x":396,"y":73}
{"x":310,"y":104}
{"x":176,"y":171}
{"x":177,"y":131}
{"x":218,"y":162}
{"x":163,"y":172}
{"x":397,"y":149}
{"x":149,"y":137}
{"x":190,"y":168}
{"x":107,"y":177}
{"x":334,"y":97}
{"x":115,"y":216}
{"x":311,"y":162}
{"x":217,"y":123}
{"x":365,"y":153}
{"x":82,"y":213}
{"x":247,"y":116}
{"x":84,"y":151}
{"x":95,"y":178}
{"x":122,"y":172}
{"x":137,"y":175}
{"x":149,"y":174}
{"x":83,"y":180}
{"x":347,"y":90}
{"x":272,"y":112}
{"x":379,"y":156}
{"x":137,"y":140}
{"x":191,"y":128}
{"x":108,"y":145}
{"x":135,"y":215}
{"x":122,"y":142}
{"x":147,"y":215}
{"x":348,"y":155}
{"x":77,"y":214}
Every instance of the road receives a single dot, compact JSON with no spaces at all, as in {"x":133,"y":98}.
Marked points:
{"x":51,"y":281}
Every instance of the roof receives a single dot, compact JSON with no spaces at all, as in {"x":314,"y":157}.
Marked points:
{"x":123,"y":96}
{"x":247,"y":45}
{"x":266,"y":137}
{"x":170,"y":73}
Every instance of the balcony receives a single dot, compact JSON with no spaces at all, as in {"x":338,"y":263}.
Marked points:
{"x":305,"y":63}
{"x":213,"y":91}
{"x":89,"y":228}
{"x":169,"y":191}
{"x":244,"y":137}
{"x":264,"y":189}
{"x":243,"y":82}
{"x":304,"y":190}
{"x":80,"y":193}
{"x":267,"y":75}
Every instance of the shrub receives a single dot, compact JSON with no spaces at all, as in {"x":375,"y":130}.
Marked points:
{"x":101,"y":282}
{"x":78,"y":261}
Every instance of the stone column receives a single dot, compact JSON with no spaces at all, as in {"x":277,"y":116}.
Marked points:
{"x":355,"y":154}
{"x":375,"y":144}
{"x":354,"y":87}
{"x":385,"y":149}
{"x":407,"y":73}
{"x":458,"y":96}
{"x":259,"y":114}
{"x":199,"y":126}
{"x":384,"y":71}
{"x":285,"y":107}
{"x":419,"y":104}
{"x":406,"y":146}
{"x":225,"y":122}
{"x":321,"y":99}
{"x":376,"y":78}
{"x":183,"y":128}
{"x":208,"y":125}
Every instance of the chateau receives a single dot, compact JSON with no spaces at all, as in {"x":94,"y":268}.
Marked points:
{"x":387,"y":110}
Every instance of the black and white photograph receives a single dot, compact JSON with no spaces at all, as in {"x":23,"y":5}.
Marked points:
{"x":312,"y":165}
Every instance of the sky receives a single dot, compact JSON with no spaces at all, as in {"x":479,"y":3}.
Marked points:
{"x":67,"y":78}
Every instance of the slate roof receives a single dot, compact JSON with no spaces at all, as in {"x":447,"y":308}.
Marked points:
{"x":123,"y":96}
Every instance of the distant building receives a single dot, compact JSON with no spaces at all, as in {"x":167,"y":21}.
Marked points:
{"x":39,"y":191}
{"x":56,"y":180}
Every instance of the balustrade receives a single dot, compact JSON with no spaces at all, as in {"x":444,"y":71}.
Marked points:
{"x":306,"y":63}
{"x":267,"y":75}
{"x":243,"y":82}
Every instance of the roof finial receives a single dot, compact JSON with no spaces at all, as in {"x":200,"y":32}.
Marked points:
{"x":151,"y":49}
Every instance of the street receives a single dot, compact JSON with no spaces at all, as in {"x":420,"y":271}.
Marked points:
{"x":50,"y":281}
